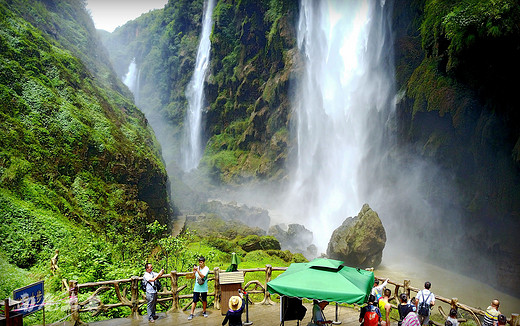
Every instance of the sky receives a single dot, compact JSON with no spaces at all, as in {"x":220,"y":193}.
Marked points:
{"x":109,"y":14}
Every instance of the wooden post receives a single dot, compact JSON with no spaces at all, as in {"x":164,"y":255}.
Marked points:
{"x":407,"y":288}
{"x":6,"y":306}
{"x":453,"y":303}
{"x":267,"y":295}
{"x":218,"y":293}
{"x":514,"y":320}
{"x":73,"y":301}
{"x":175,"y":295}
{"x":134,"y":292}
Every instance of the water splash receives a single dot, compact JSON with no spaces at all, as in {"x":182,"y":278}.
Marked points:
{"x":341,"y":91}
{"x":192,"y":151}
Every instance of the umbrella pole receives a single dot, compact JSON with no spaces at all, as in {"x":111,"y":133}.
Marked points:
{"x":336,"y":322}
{"x":247,"y":311}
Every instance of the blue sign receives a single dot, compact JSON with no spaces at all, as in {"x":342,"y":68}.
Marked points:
{"x":31,"y":297}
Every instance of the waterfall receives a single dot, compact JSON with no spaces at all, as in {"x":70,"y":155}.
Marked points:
{"x":195,"y":94}
{"x":343,"y":94}
{"x":131,"y":79}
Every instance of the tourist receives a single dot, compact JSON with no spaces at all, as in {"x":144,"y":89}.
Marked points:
{"x":452,"y":318}
{"x":385,"y":306}
{"x":370,"y":315}
{"x":318,"y":318}
{"x":491,"y":315}
{"x":236,"y":308}
{"x":377,"y":290}
{"x":200,"y":289}
{"x":404,"y":307}
{"x":411,"y":320}
{"x":151,"y":291}
{"x":424,"y":301}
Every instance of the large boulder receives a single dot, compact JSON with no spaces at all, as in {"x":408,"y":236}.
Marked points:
{"x":359,"y":241}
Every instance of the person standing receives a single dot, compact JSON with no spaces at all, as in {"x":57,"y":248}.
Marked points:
{"x":377,"y":290}
{"x":424,"y":301}
{"x":385,"y":306}
{"x":404,"y":308}
{"x":151,"y":290}
{"x":370,"y":314}
{"x":200,"y":289}
{"x":491,"y":315}
{"x":452,"y":318}
{"x":236,"y":308}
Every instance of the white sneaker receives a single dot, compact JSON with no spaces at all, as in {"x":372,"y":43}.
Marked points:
{"x":205,"y":314}
{"x":190,"y":317}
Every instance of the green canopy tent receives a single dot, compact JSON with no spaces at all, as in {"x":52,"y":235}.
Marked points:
{"x":324,"y":279}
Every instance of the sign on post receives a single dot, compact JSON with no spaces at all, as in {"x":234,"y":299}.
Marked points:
{"x":31,"y":296}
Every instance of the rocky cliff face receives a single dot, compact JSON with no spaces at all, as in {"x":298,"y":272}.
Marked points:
{"x":459,"y":111}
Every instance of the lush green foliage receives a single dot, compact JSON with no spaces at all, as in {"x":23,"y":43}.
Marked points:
{"x":79,"y":165}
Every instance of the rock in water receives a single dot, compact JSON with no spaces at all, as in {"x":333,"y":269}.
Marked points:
{"x":359,"y":241}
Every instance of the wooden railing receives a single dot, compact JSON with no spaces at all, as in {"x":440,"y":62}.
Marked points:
{"x":405,"y":287}
{"x":129,"y":295}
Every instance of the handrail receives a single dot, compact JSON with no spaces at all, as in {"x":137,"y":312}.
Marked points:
{"x":137,"y":299}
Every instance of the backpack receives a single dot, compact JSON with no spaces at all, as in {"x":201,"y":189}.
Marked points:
{"x":424,"y":307}
{"x":371,"y":318}
{"x":157,"y":286}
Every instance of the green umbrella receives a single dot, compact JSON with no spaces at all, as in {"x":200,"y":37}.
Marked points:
{"x":324,"y":279}
{"x":234,"y":263}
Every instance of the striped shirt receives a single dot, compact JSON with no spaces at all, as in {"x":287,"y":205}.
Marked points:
{"x":411,"y":320}
{"x":491,"y":316}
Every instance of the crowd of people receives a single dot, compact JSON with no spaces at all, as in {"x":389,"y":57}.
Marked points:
{"x":415,"y":311}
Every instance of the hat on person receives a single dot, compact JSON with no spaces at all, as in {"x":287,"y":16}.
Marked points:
{"x":235,"y":302}
{"x":201,"y":258}
{"x":502,"y":320}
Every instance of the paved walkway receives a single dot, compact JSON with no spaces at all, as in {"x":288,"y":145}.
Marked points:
{"x":258,"y":315}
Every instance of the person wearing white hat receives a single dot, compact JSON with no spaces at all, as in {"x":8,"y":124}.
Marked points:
{"x":236,"y":308}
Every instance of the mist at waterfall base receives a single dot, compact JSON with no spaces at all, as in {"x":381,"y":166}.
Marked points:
{"x":346,"y":152}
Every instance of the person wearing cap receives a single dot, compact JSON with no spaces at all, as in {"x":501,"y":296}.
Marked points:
{"x":236,"y":308}
{"x":491,"y":315}
{"x":502,"y":320}
{"x":200,"y":291}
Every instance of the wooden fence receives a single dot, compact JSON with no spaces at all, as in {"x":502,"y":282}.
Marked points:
{"x":453,"y":302}
{"x":129,"y":295}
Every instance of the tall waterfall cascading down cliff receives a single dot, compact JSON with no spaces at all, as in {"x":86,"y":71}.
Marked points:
{"x":192,"y":148}
{"x":131,"y":79}
{"x":345,"y":84}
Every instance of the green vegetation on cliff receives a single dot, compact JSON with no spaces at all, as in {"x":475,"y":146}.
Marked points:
{"x":80,"y":169}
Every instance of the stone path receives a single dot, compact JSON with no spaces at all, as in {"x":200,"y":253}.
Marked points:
{"x":258,"y":315}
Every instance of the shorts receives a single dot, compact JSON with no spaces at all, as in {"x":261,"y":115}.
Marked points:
{"x":203,"y":296}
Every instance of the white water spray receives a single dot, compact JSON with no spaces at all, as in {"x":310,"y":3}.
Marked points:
{"x":195,"y":94}
{"x":340,"y":89}
{"x":131,"y":79}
